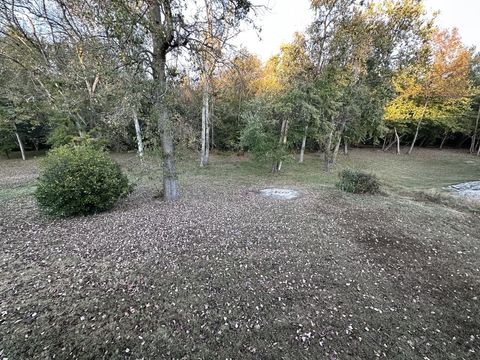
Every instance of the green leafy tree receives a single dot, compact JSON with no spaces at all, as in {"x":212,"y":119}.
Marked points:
{"x":435,"y":90}
{"x":235,"y":86}
{"x":356,"y":47}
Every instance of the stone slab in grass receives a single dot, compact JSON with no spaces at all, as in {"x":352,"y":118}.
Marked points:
{"x":468,"y":189}
{"x":280,"y":194}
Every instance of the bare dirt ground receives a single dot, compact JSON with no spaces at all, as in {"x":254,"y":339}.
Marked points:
{"x":228,"y":274}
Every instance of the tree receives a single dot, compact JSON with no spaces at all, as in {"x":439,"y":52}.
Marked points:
{"x":356,"y":47}
{"x":235,"y":86}
{"x":7,"y":140}
{"x":301,"y":99}
{"x":287,"y":83}
{"x":274,"y":118}
{"x":475,"y":101}
{"x":23,"y":107}
{"x":82,"y":45}
{"x":170,"y":28}
{"x":62,"y":61}
{"x":222,"y":21}
{"x":436,"y":89}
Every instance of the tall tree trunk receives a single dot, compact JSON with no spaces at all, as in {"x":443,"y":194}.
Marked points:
{"x":20,"y":143}
{"x":335,"y":151}
{"x":160,"y":48}
{"x":443,"y":141}
{"x":208,"y":65}
{"x":478,"y":152}
{"x":277,"y":164}
{"x":284,"y":143}
{"x":139,"y":134}
{"x":304,"y":143}
{"x":328,"y":150}
{"x":170,"y":191}
{"x":207,"y":136}
{"x":212,"y":143}
{"x":205,"y":124}
{"x":345,"y":146}
{"x":331,"y":157}
{"x":474,"y":137}
{"x":397,"y":139}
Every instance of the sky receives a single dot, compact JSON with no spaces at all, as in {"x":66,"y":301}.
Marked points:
{"x":285,"y":17}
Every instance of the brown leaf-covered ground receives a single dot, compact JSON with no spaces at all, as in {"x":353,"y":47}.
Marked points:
{"x":227,"y":274}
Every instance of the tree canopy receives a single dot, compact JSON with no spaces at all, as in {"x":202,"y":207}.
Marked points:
{"x":166,"y":74}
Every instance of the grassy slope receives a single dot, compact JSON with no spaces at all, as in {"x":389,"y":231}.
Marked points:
{"x":425,"y":169}
{"x":225,"y":273}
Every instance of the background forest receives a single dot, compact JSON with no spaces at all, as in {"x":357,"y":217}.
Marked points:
{"x":136,"y":76}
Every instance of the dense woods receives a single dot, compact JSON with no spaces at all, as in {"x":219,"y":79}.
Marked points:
{"x":164,"y":74}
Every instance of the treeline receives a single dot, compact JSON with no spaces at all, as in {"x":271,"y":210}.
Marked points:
{"x":147,"y":74}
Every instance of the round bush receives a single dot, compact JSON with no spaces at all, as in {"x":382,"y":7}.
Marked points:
{"x":79,"y":180}
{"x":358,"y":182}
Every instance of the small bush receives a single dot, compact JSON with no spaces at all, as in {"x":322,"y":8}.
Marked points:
{"x":79,"y":180}
{"x":358,"y":182}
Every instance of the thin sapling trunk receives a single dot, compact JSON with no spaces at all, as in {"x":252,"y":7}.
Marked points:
{"x":443,"y":141}
{"x":205,"y":125}
{"x":304,"y":142}
{"x":20,"y":143}
{"x":397,"y":139}
{"x":418,"y":127}
{"x":474,"y":137}
{"x":138,"y":132}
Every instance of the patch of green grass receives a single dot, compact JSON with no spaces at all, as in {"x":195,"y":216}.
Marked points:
{"x":225,"y":273}
{"x":424,"y":169}
{"x":22,"y":191}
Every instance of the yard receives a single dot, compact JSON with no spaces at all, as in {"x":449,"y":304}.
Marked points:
{"x":225,"y":273}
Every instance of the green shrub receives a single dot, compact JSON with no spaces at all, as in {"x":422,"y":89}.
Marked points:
{"x":79,"y":180}
{"x":358,"y":182}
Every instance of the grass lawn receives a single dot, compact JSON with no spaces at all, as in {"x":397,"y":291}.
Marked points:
{"x":227,"y":274}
